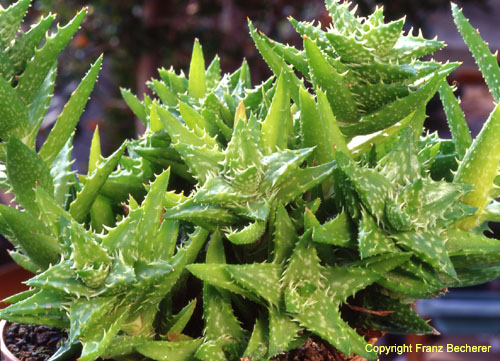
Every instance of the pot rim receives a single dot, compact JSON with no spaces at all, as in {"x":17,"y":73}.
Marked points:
{"x":6,"y":354}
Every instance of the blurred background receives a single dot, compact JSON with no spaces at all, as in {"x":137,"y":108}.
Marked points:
{"x":137,"y":37}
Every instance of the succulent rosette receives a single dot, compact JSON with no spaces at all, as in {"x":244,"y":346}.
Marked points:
{"x":247,"y":219}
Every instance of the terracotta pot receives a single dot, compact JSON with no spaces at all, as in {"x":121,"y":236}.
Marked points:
{"x":6,"y":355}
{"x":11,"y":278}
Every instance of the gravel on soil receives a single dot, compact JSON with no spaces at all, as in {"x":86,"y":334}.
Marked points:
{"x":33,"y":342}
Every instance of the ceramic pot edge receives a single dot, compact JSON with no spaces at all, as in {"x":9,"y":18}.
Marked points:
{"x":6,"y":355}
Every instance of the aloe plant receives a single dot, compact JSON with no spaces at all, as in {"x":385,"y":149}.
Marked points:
{"x":367,"y":68}
{"x":27,"y":82}
{"x":248,"y":219}
{"x":50,"y":228}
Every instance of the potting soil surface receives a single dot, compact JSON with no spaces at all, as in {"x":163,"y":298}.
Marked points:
{"x":32,"y":342}
{"x":315,"y":350}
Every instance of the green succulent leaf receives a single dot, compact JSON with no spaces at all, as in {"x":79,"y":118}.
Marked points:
{"x":303,"y":180}
{"x":82,"y":204}
{"x":40,"y":107}
{"x":24,"y":262}
{"x":346,"y":281}
{"x":101,"y":212}
{"x":91,"y":261}
{"x":46,"y":306}
{"x":204,"y":215}
{"x":308,"y":299}
{"x":399,"y":109}
{"x":95,"y":341}
{"x":171,"y":351}
{"x":380,"y":139}
{"x":25,"y":170}
{"x":383,"y":38}
{"x":221,"y":325}
{"x":283,"y":330}
{"x":197,"y":79}
{"x":32,"y":237}
{"x":166,"y":239}
{"x":162,"y":90}
{"x":327,"y":117}
{"x":333,"y":83}
{"x":67,"y":120}
{"x":274,"y":127}
{"x":52,"y":214}
{"x":10,"y":19}
{"x":403,"y":282}
{"x":249,"y":234}
{"x":150,"y":221}
{"x":467,"y":277}
{"x":371,"y":97}
{"x":39,"y":302}
{"x":458,"y":240}
{"x":343,"y":19}
{"x":479,"y":167}
{"x":385,"y":73}
{"x":257,"y":345}
{"x":213,"y":73}
{"x":401,"y":165}
{"x":6,"y":67}
{"x":134,"y":104}
{"x":372,"y":240}
{"x":259,"y":278}
{"x":218,"y":190}
{"x":429,"y":247}
{"x":198,"y":150}
{"x":410,"y":47}
{"x":13,"y":112}
{"x":486,"y":61}
{"x":279,"y":166}
{"x":19,"y":296}
{"x":177,"y":83}
{"x":61,"y":278}
{"x":180,"y":320}
{"x":276,"y":63}
{"x":121,"y":276}
{"x":314,"y":131}
{"x":195,"y":121}
{"x":42,"y":62}
{"x":124,"y":345}
{"x":316,"y":34}
{"x":289,"y":53}
{"x":284,"y":235}
{"x":122,"y":236}
{"x":471,"y":250}
{"x":336,"y":231}
{"x":402,"y":318}
{"x":126,"y":181}
{"x":24,"y":47}
{"x":217,"y":275}
{"x":350,"y":50}
{"x":371,"y":186}
{"x":64,"y":177}
{"x":456,"y":119}
{"x":243,"y":150}
{"x":211,"y":350}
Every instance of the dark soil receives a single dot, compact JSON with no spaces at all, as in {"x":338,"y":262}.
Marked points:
{"x":312,"y":350}
{"x":316,"y":349}
{"x":32,"y":342}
